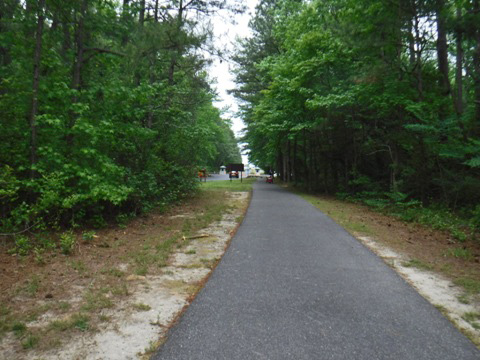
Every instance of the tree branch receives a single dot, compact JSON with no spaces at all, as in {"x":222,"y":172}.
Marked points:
{"x":101,"y":51}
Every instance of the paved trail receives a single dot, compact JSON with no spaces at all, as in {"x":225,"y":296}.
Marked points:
{"x":295,"y":285}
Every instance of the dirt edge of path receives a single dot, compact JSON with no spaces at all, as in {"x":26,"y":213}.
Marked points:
{"x":138,"y":322}
{"x":423,"y":257}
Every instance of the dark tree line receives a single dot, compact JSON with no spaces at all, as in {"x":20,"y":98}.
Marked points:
{"x":105,"y":107}
{"x":380,"y":99}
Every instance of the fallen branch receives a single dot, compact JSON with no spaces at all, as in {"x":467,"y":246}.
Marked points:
{"x":19,"y":232}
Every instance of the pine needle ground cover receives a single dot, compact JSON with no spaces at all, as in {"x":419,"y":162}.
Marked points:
{"x":49,"y":298}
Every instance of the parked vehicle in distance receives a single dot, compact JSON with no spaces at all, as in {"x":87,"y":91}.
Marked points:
{"x":233,"y":174}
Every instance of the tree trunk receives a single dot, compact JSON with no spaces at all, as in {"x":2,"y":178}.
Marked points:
{"x":125,"y":16}
{"x":418,"y":57}
{"x":67,"y":41}
{"x":459,"y":75}
{"x":141,"y":18}
{"x":156,"y":11}
{"x":476,"y":67}
{"x":36,"y":81}
{"x":411,"y":45}
{"x":78,"y":64}
{"x":442,"y":48}
{"x":305,"y":163}
{"x":176,"y":53}
{"x":459,"y":67}
{"x":7,"y":10}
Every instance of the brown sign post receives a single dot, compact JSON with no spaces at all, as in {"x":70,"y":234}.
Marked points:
{"x":236,"y":167}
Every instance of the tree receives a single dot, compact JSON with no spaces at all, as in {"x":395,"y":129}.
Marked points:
{"x":94,"y":121}
{"x":355,"y":97}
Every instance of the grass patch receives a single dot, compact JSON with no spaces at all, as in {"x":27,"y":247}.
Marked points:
{"x":96,"y":301}
{"x":121,"y":290}
{"x":30,"y":341}
{"x":472,"y":318}
{"x":464,"y":299}
{"x":419,"y":264}
{"x":79,"y":266}
{"x":113,"y":272}
{"x":155,"y":252}
{"x":472,"y":286}
{"x":104,"y":318}
{"x":6,"y":320}
{"x":209,"y":263}
{"x":34,"y":313}
{"x":442,"y":309}
{"x":191,"y":252}
{"x":19,"y":328}
{"x":227,"y":185}
{"x":76,"y":321}
{"x":141,"y":307}
{"x":460,"y":253}
{"x":337,"y":214}
{"x":152,"y":347}
{"x":64,"y":306}
{"x":32,"y":286}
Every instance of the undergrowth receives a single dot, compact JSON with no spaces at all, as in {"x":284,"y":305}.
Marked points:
{"x":462,"y":225}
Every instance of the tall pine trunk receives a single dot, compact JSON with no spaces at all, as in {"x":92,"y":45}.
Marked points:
{"x":80,"y":48}
{"x":37,"y":58}
{"x":459,"y":72}
{"x":476,"y":66}
{"x":442,"y":48}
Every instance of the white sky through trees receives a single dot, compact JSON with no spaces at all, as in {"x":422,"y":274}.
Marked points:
{"x":227,"y":28}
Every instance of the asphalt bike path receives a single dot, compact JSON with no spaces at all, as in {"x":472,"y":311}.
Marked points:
{"x":295,"y":285}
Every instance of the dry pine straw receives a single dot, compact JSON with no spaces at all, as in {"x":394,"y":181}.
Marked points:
{"x":432,"y":247}
{"x":93,"y":277}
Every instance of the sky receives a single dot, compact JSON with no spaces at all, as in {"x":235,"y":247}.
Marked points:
{"x":226,"y":31}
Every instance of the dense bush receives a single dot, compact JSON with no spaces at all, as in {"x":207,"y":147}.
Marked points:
{"x":379,"y":100}
{"x":105,"y":108}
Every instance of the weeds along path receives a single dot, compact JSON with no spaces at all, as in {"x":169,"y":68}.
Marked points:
{"x":115,"y":296}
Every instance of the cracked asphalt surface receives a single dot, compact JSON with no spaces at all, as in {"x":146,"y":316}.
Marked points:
{"x":295,"y":285}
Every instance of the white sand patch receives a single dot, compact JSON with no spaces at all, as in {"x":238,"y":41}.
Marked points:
{"x":436,"y":289}
{"x":138,"y":324}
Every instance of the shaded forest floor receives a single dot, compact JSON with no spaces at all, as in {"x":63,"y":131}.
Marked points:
{"x":443,"y":269}
{"x":48,"y":302}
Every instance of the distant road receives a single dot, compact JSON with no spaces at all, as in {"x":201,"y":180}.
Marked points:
{"x":295,"y":285}
{"x":215,"y":177}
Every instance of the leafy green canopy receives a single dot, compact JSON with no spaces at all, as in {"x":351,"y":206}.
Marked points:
{"x":120,"y":114}
{"x":366,"y":97}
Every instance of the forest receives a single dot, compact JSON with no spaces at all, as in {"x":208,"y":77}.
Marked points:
{"x":106,"y":108}
{"x":376,"y":101}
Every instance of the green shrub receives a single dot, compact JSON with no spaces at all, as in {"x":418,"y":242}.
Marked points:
{"x":67,"y":242}
{"x":88,"y":236}
{"x":22,"y":246}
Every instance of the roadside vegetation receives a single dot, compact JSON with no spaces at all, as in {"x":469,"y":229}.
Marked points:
{"x":375,"y":101}
{"x":106,"y":112}
{"x":44,"y":304}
